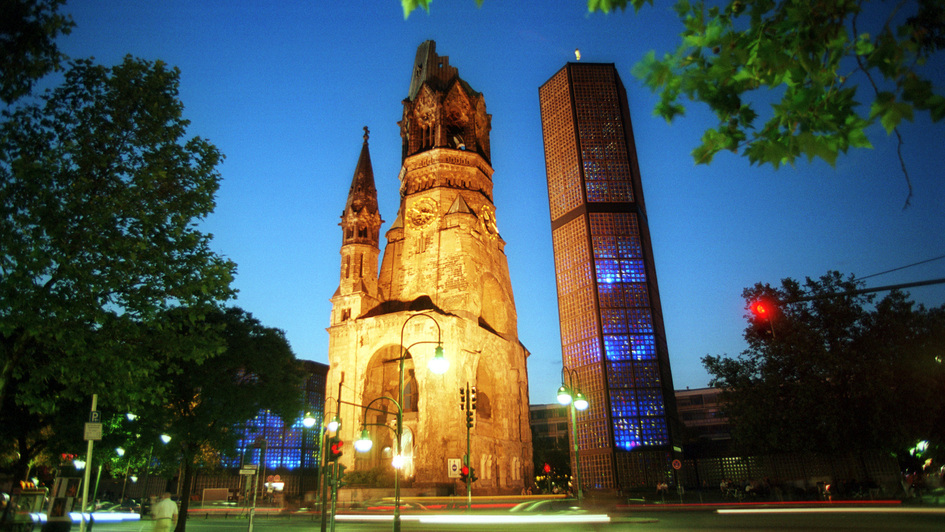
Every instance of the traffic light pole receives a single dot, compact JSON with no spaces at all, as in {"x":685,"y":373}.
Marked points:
{"x":468,"y":403}
{"x":324,"y":461}
{"x":468,"y":477}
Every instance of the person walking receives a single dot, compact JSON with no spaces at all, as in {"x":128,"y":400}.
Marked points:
{"x":165,"y":513}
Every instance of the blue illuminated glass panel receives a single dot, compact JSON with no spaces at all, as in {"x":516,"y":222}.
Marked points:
{"x":643,"y":347}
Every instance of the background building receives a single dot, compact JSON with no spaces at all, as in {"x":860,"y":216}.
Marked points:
{"x":701,"y":416}
{"x":444,"y":279}
{"x":612,"y":333}
{"x":550,"y":439}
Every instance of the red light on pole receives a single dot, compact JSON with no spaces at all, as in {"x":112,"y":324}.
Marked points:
{"x":760,"y":309}
{"x":764,"y":311}
{"x":547,"y":468}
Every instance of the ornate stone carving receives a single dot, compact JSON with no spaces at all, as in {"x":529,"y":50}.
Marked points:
{"x":487,"y":221}
{"x":457,"y":107}
{"x":425,"y":108}
{"x":422,"y":212}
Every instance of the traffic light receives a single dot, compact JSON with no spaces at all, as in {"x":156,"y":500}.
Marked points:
{"x":464,"y":473}
{"x":760,"y":309}
{"x":469,"y":419}
{"x":547,"y":468}
{"x":335,"y":446}
{"x":462,"y":398}
{"x":472,"y":398}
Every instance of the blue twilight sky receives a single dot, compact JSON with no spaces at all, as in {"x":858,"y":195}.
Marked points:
{"x":284,"y":89}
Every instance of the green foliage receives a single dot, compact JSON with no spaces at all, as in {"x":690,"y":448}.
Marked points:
{"x":805,"y":62}
{"x":235,"y":368}
{"x":28,"y":29}
{"x":832,"y":372}
{"x":377,"y":477}
{"x":99,"y":191}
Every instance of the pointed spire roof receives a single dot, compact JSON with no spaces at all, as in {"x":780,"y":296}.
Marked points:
{"x":363,"y":193}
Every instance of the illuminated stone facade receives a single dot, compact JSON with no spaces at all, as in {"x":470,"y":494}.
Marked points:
{"x":611,"y":324}
{"x":443,"y":259}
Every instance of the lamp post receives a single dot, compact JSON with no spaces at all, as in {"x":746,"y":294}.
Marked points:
{"x":332,"y":426}
{"x":438,"y":365}
{"x":570,"y":394}
{"x":308,"y":421}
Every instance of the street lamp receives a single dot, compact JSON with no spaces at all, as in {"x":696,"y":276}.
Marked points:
{"x":309,"y":420}
{"x":437,"y":365}
{"x":364,"y":443}
{"x":334,"y":424}
{"x":570,"y":395}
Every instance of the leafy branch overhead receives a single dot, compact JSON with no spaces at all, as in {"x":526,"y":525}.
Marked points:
{"x":795,"y":78}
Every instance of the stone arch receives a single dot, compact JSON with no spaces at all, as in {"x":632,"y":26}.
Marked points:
{"x":382,"y":378}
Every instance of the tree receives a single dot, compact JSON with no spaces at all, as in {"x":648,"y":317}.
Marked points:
{"x":830,"y":372}
{"x":212,"y":395}
{"x":28,"y":50}
{"x":783,"y":77}
{"x":99,"y":194}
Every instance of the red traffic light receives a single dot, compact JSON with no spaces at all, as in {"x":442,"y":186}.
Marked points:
{"x":761,"y":309}
{"x":335,"y":449}
{"x":547,"y":468}
{"x":464,"y":471}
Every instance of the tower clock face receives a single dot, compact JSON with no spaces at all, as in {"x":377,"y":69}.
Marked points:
{"x":421,"y":213}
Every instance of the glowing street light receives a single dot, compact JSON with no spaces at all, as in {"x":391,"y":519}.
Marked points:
{"x":569,"y":394}
{"x":309,"y":420}
{"x":439,"y":363}
{"x":364,"y":443}
{"x":334,"y":424}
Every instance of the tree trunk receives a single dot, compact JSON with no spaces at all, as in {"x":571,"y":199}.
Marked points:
{"x":185,"y":490}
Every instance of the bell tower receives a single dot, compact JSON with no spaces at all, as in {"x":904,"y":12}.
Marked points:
{"x":360,"y":228}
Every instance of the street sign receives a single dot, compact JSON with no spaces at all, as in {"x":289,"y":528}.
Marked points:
{"x":93,"y":431}
{"x":95,"y":416}
{"x":248,"y":469}
{"x":677,"y":464}
{"x":453,"y":467}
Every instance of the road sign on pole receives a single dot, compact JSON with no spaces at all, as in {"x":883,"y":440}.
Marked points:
{"x":453,"y":467}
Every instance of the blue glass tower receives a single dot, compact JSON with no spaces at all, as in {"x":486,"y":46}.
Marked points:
{"x":612,"y":335}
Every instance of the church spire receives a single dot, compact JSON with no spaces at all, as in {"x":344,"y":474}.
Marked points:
{"x":361,"y":221}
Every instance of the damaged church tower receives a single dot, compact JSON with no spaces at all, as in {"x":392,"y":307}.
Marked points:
{"x":444,"y":281}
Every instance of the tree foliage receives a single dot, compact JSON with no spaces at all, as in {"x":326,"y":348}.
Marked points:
{"x":28,"y":51}
{"x":807,"y":59}
{"x":99,"y":195}
{"x":789,"y":79}
{"x":246,"y":368}
{"x":832,"y":372}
